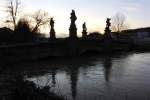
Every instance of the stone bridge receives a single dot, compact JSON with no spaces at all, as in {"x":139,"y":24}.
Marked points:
{"x":32,"y":51}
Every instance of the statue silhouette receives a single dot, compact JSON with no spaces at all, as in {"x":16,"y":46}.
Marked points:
{"x":73,"y":29}
{"x":52,"y":30}
{"x":107,"y":29}
{"x":84,"y":32}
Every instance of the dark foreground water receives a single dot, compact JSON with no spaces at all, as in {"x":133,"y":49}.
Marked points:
{"x":123,"y":76}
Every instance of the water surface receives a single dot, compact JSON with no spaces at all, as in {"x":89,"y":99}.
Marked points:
{"x":124,"y":76}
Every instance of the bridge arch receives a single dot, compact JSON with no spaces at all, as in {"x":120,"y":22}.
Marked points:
{"x":89,"y":51}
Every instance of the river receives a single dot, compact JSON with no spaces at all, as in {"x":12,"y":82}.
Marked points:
{"x":122,"y":76}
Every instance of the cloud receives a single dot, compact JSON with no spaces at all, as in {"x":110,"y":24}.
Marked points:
{"x":133,"y":7}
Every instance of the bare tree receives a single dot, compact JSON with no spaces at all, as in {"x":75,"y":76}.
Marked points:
{"x":40,"y":18}
{"x":119,"y":22}
{"x":12,"y":8}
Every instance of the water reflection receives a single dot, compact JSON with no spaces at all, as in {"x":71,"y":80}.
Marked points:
{"x":54,"y":77}
{"x":107,"y":64}
{"x":73,"y":73}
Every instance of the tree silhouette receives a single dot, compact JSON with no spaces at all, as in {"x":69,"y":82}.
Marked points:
{"x":119,"y":22}
{"x":12,"y":9}
{"x":40,"y":18}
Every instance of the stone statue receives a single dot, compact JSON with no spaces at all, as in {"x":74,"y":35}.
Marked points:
{"x":73,"y":17}
{"x":73,"y":29}
{"x":52,"y":30}
{"x":84,"y":32}
{"x":107,"y":29}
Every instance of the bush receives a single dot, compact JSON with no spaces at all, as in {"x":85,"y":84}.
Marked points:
{"x":23,"y":32}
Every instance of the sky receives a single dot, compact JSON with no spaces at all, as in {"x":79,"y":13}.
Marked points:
{"x":93,"y":12}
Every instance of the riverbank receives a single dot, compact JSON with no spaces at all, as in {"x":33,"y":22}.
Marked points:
{"x":20,"y":89}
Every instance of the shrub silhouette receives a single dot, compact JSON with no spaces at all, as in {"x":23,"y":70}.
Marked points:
{"x":5,"y":35}
{"x":22,"y":32}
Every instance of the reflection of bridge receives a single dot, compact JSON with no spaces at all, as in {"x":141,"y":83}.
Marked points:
{"x":58,"y":48}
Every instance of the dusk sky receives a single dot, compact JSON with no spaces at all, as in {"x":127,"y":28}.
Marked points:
{"x":94,"y":12}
